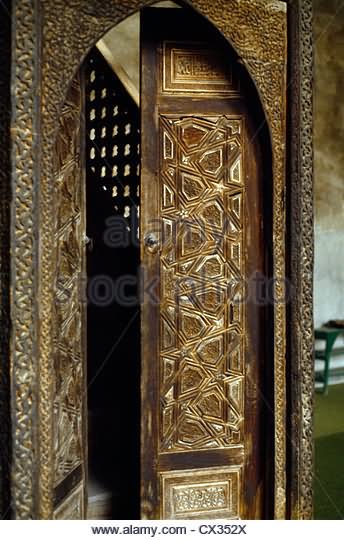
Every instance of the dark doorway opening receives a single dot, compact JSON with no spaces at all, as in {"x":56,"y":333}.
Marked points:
{"x":113,"y":319}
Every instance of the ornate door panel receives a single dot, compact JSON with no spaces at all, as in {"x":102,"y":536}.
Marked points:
{"x":69,"y":403}
{"x":202,"y":249}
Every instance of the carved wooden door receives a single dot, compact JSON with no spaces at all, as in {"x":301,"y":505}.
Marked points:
{"x":69,"y":392}
{"x":202,"y":233}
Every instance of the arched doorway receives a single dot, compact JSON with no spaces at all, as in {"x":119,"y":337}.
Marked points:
{"x":51,"y":69}
{"x":205,"y":232}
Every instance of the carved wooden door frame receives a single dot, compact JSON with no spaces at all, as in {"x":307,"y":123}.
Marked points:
{"x":49,"y":43}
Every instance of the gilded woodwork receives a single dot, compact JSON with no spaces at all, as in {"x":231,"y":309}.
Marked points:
{"x":24,"y":227}
{"x":201,"y":494}
{"x":201,"y":350}
{"x":201,"y":173}
{"x":301,"y":234}
{"x":72,"y":507}
{"x":68,"y":309}
{"x":183,"y":64}
{"x":5,"y":195}
{"x":256,"y":30}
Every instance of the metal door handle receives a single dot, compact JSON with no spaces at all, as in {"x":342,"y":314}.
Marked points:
{"x":88,"y":242}
{"x":151,"y":242}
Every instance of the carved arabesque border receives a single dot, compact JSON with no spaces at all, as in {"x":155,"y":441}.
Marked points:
{"x":301,"y":339}
{"x":24,"y":247}
{"x":5,"y":198}
{"x":255,"y":28}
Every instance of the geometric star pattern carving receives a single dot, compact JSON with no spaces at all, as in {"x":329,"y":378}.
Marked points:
{"x":68,"y":354}
{"x":201,"y":266}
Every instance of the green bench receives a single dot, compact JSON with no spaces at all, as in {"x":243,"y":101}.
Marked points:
{"x":329,"y":335}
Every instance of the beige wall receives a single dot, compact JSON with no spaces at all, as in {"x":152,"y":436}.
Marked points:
{"x":121,"y":48}
{"x":329,"y":160}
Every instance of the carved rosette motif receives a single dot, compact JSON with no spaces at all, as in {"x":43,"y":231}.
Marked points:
{"x":256,"y":29}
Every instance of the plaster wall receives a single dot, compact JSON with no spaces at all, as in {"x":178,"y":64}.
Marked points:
{"x":329,"y":160}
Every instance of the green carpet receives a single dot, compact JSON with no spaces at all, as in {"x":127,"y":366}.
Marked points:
{"x":329,"y":454}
